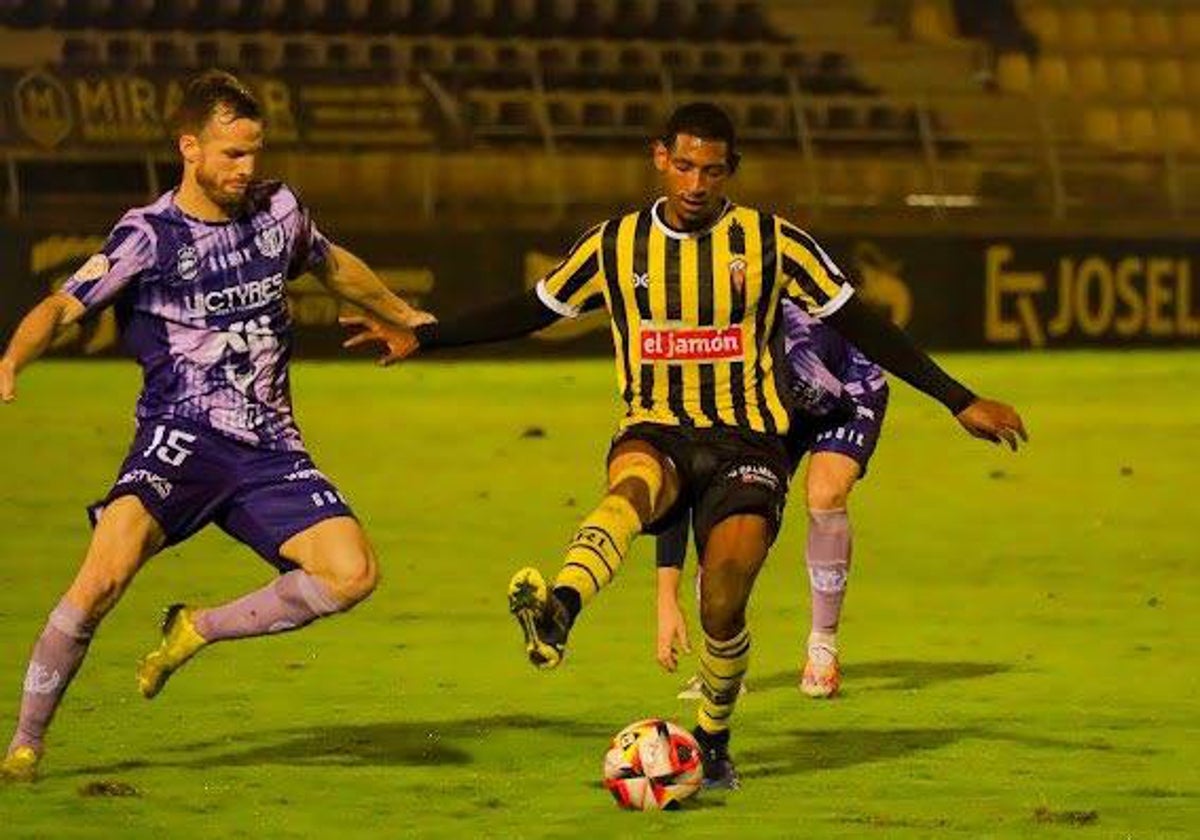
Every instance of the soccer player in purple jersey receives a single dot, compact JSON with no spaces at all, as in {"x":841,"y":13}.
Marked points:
{"x":839,"y":399}
{"x":198,"y":280}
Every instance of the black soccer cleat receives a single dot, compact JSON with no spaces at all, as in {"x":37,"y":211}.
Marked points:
{"x":542,"y":617}
{"x":719,"y":772}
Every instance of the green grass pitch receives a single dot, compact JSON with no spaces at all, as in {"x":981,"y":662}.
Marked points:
{"x":1020,"y":638}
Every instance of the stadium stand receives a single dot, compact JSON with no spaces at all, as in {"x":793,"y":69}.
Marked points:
{"x":871,"y":104}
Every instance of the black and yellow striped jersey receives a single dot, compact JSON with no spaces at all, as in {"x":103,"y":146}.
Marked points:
{"x":695,"y":315}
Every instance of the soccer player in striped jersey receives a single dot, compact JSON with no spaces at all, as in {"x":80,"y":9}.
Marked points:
{"x":840,"y":399}
{"x":693,"y":284}
{"x":199,"y":282}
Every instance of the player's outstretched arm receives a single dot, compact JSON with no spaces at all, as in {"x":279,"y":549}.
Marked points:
{"x":503,"y":320}
{"x":33,"y":336}
{"x":352,"y":280}
{"x":891,"y":348}
{"x":672,"y":638}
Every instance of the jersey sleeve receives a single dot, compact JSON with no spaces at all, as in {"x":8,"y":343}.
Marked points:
{"x":576,"y":284}
{"x":813,"y":280}
{"x":126,"y":258}
{"x":310,"y":247}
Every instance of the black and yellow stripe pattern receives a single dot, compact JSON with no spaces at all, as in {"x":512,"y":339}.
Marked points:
{"x":695,"y":316}
{"x":599,"y":547}
{"x":722,"y":669}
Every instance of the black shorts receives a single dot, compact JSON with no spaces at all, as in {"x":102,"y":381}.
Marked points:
{"x":723,"y":471}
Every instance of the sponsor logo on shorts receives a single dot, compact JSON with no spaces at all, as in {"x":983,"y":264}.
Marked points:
{"x":692,"y":345}
{"x":844,"y":435}
{"x":754,"y":474}
{"x":236,"y":298}
{"x":159,"y":484}
{"x":306,"y":474}
{"x":187,"y":263}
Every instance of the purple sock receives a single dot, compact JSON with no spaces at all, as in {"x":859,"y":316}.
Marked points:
{"x":57,"y":655}
{"x":828,"y":559}
{"x":288,"y":602}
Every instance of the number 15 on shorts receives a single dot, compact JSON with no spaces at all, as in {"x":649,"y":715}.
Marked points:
{"x":171,"y":446}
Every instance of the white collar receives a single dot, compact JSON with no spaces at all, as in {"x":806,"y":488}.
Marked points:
{"x":660,"y":223}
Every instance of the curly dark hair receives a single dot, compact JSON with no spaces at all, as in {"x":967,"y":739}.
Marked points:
{"x":706,"y":121}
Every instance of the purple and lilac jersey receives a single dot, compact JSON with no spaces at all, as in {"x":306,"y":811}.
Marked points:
{"x":202,"y":306}
{"x":824,"y":364}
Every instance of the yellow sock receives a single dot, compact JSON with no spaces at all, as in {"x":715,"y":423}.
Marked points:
{"x":599,"y":547}
{"x":722,"y":668}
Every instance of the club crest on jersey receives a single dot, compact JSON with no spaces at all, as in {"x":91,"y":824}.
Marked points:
{"x":270,"y":240}
{"x":187,"y":262}
{"x":737,"y":256}
{"x":737,"y":273}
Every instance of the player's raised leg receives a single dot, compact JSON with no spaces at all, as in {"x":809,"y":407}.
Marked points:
{"x":831,"y":477}
{"x":337,"y":569}
{"x":733,"y":555}
{"x":642,"y":485}
{"x":126,"y":536}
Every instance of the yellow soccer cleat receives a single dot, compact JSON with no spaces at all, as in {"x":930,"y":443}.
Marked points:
{"x":20,"y":765}
{"x":822,"y":677}
{"x":180,"y":643}
{"x":542,"y":618}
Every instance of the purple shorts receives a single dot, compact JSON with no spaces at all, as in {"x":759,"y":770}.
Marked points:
{"x":855,"y":438}
{"x":188,"y":476}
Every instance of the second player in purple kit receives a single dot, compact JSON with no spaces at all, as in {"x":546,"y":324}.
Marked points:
{"x":198,"y":280}
{"x":839,"y":398}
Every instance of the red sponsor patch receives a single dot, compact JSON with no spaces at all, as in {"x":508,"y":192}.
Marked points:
{"x":705,"y":344}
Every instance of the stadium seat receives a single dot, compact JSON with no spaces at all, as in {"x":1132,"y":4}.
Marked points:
{"x":928,"y":23}
{"x":1045,"y":23}
{"x":641,"y":115}
{"x":1013,"y":73}
{"x":1050,"y":75}
{"x":710,"y":22}
{"x":1192,"y":78}
{"x":1139,"y":130}
{"x":381,"y":55}
{"x":631,"y":19}
{"x":172,"y":14}
{"x":170,"y":54}
{"x":129,"y":14}
{"x":33,"y":14}
{"x":1101,"y":127}
{"x":80,"y":52}
{"x":1188,"y":28}
{"x":254,"y":55}
{"x":1166,"y":78}
{"x":1177,"y":129}
{"x":1089,"y":75}
{"x":126,"y":53}
{"x":1080,"y":26}
{"x":1153,"y":28}
{"x":1116,"y":27}
{"x":1128,"y":77}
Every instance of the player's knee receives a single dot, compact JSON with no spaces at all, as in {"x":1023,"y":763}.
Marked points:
{"x":828,"y":494}
{"x":97,"y":591}
{"x":644,"y":478}
{"x":354,"y":577}
{"x":722,"y":601}
{"x":723,"y":621}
